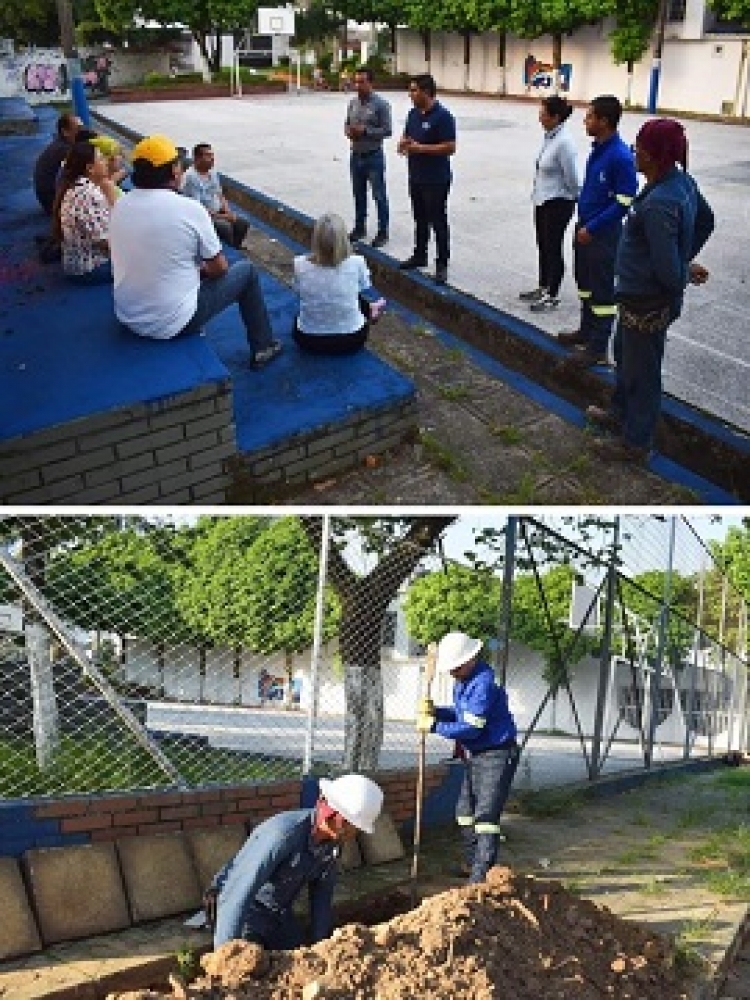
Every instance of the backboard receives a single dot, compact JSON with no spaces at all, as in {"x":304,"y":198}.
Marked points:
{"x":276,"y":21}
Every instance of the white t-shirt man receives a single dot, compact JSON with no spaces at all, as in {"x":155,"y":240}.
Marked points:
{"x":157,"y":241}
{"x":329,"y":296}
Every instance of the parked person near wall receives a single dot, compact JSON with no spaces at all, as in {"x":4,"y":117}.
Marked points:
{"x":81,"y":215}
{"x":334,"y":317}
{"x":429,"y":141}
{"x":368,"y":123}
{"x":482,"y":724}
{"x":669,"y":223}
{"x":169,"y":272}
{"x":201,"y":182}
{"x":609,"y":186}
{"x":554,"y":197}
{"x":252,"y":897}
{"x":50,"y":160}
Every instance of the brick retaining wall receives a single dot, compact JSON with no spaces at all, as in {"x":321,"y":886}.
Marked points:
{"x":84,"y":819}
{"x":174,"y":450}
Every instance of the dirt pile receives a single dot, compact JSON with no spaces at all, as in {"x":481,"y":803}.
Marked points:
{"x":509,"y":937}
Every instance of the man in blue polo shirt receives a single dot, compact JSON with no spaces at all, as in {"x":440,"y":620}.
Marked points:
{"x":429,"y":141}
{"x":609,"y":186}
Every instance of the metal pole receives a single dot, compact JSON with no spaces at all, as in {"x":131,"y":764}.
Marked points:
{"x":506,"y":603}
{"x":67,"y":39}
{"x":605,"y":657}
{"x":317,"y":643}
{"x":655,"y":77}
{"x":690,"y":719}
{"x":661,"y":643}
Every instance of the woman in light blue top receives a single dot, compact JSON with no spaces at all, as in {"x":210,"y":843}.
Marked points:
{"x":554,"y":195}
{"x":334,"y":317}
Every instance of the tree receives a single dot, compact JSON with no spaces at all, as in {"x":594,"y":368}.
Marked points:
{"x":458,"y":598}
{"x":365,"y":597}
{"x":317,"y":26}
{"x":644,"y":597}
{"x":732,"y":10}
{"x":30,"y":22}
{"x":631,"y":35}
{"x":207,"y":20}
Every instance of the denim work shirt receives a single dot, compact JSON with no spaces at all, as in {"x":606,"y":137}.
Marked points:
{"x":268,"y":873}
{"x":668,"y":224}
{"x":480,"y":718}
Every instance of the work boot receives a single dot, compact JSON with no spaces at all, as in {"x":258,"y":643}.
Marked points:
{"x":441,"y":274}
{"x":412,"y":262}
{"x":356,"y":234}
{"x":605,"y":419}
{"x":585,"y":357}
{"x":381,"y":238}
{"x":266,"y":354}
{"x":544,"y":304}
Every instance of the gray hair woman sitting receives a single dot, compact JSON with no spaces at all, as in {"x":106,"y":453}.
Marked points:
{"x":334,"y":317}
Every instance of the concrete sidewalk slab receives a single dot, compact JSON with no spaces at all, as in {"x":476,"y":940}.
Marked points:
{"x":18,"y":930}
{"x":159,"y":876}
{"x":77,"y":891}
{"x":211,"y":849}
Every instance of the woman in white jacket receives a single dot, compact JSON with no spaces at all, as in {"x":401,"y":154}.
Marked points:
{"x":334,"y":317}
{"x":554,"y":195}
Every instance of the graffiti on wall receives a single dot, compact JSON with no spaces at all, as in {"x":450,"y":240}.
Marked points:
{"x":42,"y":75}
{"x":538,"y":76}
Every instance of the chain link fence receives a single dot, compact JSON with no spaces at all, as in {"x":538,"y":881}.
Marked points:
{"x":139,"y":652}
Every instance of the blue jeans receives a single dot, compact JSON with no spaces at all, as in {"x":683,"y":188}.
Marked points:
{"x":594,"y":268}
{"x":637,"y":396}
{"x":364,"y":168}
{"x":100,"y":275}
{"x":240,"y":284}
{"x":484,"y":792}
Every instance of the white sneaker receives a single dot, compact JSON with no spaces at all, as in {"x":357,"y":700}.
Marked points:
{"x":534,"y":295}
{"x":545,"y":304}
{"x":266,"y":354}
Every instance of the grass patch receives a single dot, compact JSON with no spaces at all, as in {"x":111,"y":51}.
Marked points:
{"x":654,"y":887}
{"x":693,"y":933}
{"x":507,"y":434}
{"x":554,"y":802}
{"x":99,"y":764}
{"x":726,"y":855}
{"x":443,"y":457}
{"x":453,"y":393}
{"x":737,"y":777}
{"x":689,"y":818}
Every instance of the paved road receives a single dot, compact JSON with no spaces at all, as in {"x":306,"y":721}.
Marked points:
{"x":547,"y":761}
{"x":291,"y":147}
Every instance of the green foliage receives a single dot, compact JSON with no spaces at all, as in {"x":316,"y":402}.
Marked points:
{"x":459,"y":598}
{"x":165,"y":80}
{"x":30,"y":22}
{"x":683,"y":603}
{"x":634,"y":25}
{"x":732,"y":10}
{"x":316,"y":25}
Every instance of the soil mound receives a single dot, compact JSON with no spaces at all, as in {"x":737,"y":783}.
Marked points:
{"x":511,"y":936}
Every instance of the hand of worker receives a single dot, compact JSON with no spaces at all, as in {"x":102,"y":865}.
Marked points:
{"x":425,"y":722}
{"x":697,"y":273}
{"x":426,"y":707}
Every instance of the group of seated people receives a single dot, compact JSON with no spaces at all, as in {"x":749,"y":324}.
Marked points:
{"x":164,"y":255}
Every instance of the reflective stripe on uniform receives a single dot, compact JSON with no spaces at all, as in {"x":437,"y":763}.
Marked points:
{"x":583,"y":295}
{"x":624,"y":199}
{"x":465,"y":820}
{"x":603,"y":310}
{"x":488,"y":828}
{"x":475,"y":720}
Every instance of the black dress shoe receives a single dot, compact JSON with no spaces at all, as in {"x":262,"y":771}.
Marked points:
{"x":441,"y":274}
{"x":380,"y":240}
{"x":411,"y":262}
{"x":356,"y":234}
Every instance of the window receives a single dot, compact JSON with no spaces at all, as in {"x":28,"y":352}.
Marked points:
{"x":629,"y":699}
{"x":676,"y":10}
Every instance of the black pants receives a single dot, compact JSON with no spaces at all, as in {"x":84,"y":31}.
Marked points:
{"x":335,"y":343}
{"x":594,"y":266}
{"x":550,"y":221}
{"x":429,"y":205}
{"x":233,"y":232}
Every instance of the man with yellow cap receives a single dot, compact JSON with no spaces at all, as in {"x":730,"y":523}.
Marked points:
{"x":170,"y":275}
{"x":481,"y":723}
{"x":253,"y":895}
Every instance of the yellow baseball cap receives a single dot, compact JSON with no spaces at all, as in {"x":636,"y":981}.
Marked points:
{"x":157,"y":150}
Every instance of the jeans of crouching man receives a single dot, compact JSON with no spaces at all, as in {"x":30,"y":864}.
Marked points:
{"x":484,"y":791}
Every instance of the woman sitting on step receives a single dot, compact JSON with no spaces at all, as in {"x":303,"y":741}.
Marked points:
{"x":81,"y":215}
{"x":334,"y":317}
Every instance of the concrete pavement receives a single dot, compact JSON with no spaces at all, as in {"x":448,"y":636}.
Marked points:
{"x":292,"y":147}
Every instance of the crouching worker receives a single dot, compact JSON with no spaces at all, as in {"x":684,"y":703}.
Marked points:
{"x":481,"y":722}
{"x":254,"y":893}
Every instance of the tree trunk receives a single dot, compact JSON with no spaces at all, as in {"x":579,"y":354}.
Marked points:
{"x":360,"y":643}
{"x":44,"y":701}
{"x":629,"y":93}
{"x":557,"y":61}
{"x":427,"y":42}
{"x":467,"y":58}
{"x":393,"y":28}
{"x":288,"y":670}
{"x":502,"y":48}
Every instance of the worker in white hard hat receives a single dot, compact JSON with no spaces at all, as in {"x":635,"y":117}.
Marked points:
{"x":480,"y":721}
{"x":251,"y":898}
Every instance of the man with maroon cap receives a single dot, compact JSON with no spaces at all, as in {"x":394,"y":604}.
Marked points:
{"x":668,"y":224}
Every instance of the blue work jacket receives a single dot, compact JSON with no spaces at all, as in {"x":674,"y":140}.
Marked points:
{"x":609,"y":185}
{"x":257,"y":888}
{"x":668,"y":224}
{"x":480,"y":717}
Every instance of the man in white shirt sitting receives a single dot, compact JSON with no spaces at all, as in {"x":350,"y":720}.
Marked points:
{"x":201,"y":182}
{"x":170,"y":276}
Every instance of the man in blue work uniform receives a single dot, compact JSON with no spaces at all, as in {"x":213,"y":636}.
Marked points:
{"x":668,"y":226}
{"x":609,"y":186}
{"x":481,"y":722}
{"x":254,"y":893}
{"x":429,"y":141}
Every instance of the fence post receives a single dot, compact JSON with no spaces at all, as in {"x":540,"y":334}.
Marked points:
{"x":317,"y":644}
{"x":691,"y":722}
{"x":661,"y":644}
{"x":44,"y":702}
{"x":506,"y":601}
{"x":605,"y":656}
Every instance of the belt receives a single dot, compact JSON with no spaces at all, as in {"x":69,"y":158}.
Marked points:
{"x":365,"y":152}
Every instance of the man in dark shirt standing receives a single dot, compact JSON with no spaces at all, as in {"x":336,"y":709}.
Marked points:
{"x":368,"y":123}
{"x":48,"y":164}
{"x":429,"y":140}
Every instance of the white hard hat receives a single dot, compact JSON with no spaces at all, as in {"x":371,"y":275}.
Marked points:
{"x":455,"y":649}
{"x":358,"y":799}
